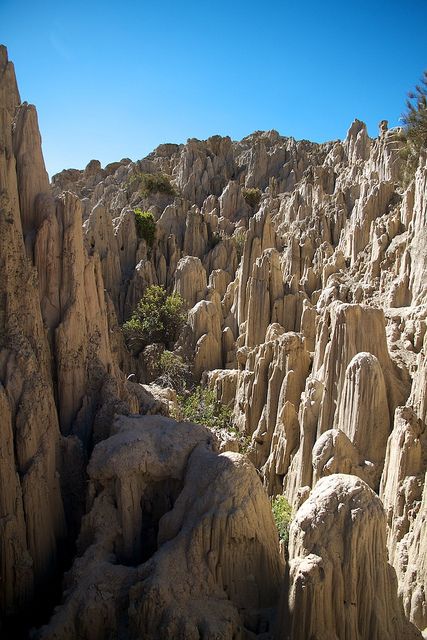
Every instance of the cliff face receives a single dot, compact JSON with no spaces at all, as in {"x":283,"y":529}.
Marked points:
{"x":57,"y":369}
{"x":307,"y":314}
{"x":32,"y":515}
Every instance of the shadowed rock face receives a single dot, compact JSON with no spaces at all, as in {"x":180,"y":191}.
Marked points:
{"x":31,"y":509}
{"x":211,"y":567}
{"x":307,"y":316}
{"x":56,"y":359}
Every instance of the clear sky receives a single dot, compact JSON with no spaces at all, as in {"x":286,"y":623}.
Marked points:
{"x":115,"y":79}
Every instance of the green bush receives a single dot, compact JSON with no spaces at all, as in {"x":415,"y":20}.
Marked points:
{"x":414,"y":129}
{"x":282,"y":514}
{"x":252,"y":197}
{"x":149,"y":183}
{"x":145,"y":226}
{"x":174,"y":372}
{"x":158,"y":318}
{"x":202,"y":407}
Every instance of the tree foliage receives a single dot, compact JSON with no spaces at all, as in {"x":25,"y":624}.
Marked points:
{"x":415,"y":127}
{"x":158,"y":318}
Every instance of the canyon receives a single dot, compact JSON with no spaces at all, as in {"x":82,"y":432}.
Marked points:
{"x":304,"y":270}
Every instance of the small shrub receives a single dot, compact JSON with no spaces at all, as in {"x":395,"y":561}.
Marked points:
{"x":244,"y":441}
{"x":132,"y":179}
{"x":158,"y":317}
{"x":156,"y":183}
{"x":252,"y":197}
{"x":150,"y":183}
{"x":145,"y":226}
{"x":174,"y":372}
{"x":150,"y":360}
{"x":202,"y":407}
{"x":282,"y":514}
{"x":239,"y":243}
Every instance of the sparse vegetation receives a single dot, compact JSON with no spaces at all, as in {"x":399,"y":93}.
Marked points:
{"x":145,"y":226}
{"x":150,"y":183}
{"x":150,"y":361}
{"x":202,"y":407}
{"x":282,"y":514}
{"x":175,"y":372}
{"x":252,"y":197}
{"x":414,"y":129}
{"x":158,"y":318}
{"x":239,"y":242}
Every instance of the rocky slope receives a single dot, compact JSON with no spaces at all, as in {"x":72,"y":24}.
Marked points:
{"x":307,"y":315}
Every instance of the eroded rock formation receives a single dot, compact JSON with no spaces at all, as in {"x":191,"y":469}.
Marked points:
{"x":183,"y":553}
{"x":58,"y":376}
{"x":341,"y":583}
{"x":307,"y":316}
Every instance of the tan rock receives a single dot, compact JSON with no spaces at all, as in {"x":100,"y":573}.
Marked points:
{"x":357,"y":143}
{"x":336,"y":251}
{"x":265,"y":297}
{"x":100,"y":236}
{"x":363,"y":413}
{"x":401,"y":491}
{"x":190,"y":280}
{"x":418,"y":244}
{"x":153,"y":473}
{"x":413,"y":584}
{"x":249,"y":579}
{"x":232,"y":205}
{"x":32,"y":178}
{"x":224,"y":383}
{"x":219,"y":280}
{"x":127,"y":241}
{"x":31,"y":509}
{"x":260,"y":236}
{"x":333,"y":453}
{"x":205,"y":322}
{"x":341,"y":584}
{"x":348,"y":330}
{"x":196,"y":234}
{"x":222,"y":256}
{"x":274,"y":374}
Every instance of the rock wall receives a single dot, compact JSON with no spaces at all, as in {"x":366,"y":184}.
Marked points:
{"x":59,"y":382}
{"x":31,"y":507}
{"x":341,"y":583}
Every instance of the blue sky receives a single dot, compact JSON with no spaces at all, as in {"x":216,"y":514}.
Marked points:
{"x":115,"y":79}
